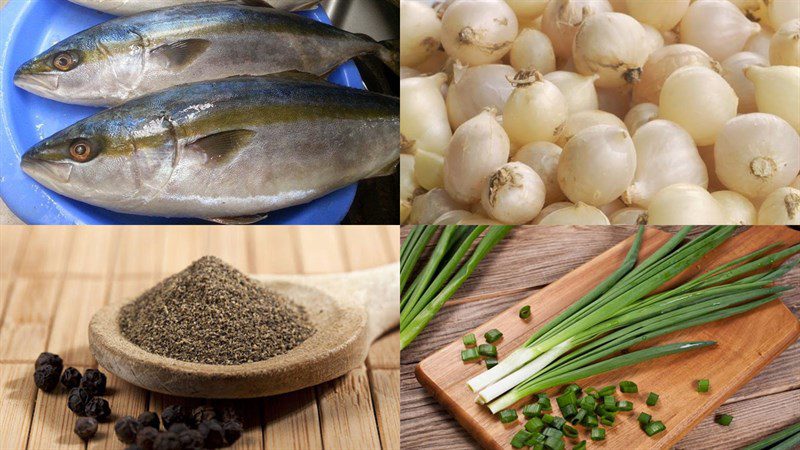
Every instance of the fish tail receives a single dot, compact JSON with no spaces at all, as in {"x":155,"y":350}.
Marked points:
{"x":387,"y":51}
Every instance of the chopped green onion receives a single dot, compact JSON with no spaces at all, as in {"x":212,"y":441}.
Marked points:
{"x":610,"y":403}
{"x":532,"y":410}
{"x":545,"y":402}
{"x":724,"y":419}
{"x":592,"y":392}
{"x":588,"y":403}
{"x":578,"y":417}
{"x":644,"y":418}
{"x":590,"y":421}
{"x":607,"y":420}
{"x":608,"y":390}
{"x":554,"y":443}
{"x":573,"y":388}
{"x":652,"y":399}
{"x":569,"y":411}
{"x":549,"y":431}
{"x":581,"y":446}
{"x":558,"y":422}
{"x":491,"y":362}
{"x":519,"y":439}
{"x":598,"y":434}
{"x":654,"y":428}
{"x":567,"y":398}
{"x":508,"y":415}
{"x":469,"y":340}
{"x":548,"y":419}
{"x":525,"y":312}
{"x":487,"y":350}
{"x":624,"y":405}
{"x":535,"y":424}
{"x":570,"y":432}
{"x":536,"y":438}
{"x":628,"y":387}
{"x":703,"y":385}
{"x":493,"y":335}
{"x":469,"y":354}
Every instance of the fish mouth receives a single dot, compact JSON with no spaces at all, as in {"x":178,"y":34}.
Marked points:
{"x":36,"y":82}
{"x":46,"y":172}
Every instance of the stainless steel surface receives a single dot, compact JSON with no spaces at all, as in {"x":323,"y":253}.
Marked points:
{"x":379,"y":19}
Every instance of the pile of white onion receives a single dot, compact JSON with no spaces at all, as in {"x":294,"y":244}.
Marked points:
{"x":591,"y":112}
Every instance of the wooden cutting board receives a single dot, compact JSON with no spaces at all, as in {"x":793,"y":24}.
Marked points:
{"x":746,"y":344}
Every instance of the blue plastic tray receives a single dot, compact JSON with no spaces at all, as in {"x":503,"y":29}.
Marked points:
{"x":28,"y":27}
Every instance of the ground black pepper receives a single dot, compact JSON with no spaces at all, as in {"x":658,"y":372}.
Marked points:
{"x":211,"y":313}
{"x":94,"y":381}
{"x":77,"y":400}
{"x":126,"y":429}
{"x":149,"y":419}
{"x":71,"y":378}
{"x":98,"y":408}
{"x":86,"y":427}
{"x":46,"y":377}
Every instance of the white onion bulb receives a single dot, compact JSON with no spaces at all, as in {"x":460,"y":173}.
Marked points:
{"x":756,"y":154}
{"x":717,"y":27}
{"x":611,"y":45}
{"x":796,"y":183}
{"x":777,"y":91}
{"x":562,"y":18}
{"x":733,"y":72}
{"x":781,"y":207}
{"x":759,"y":43}
{"x":782,"y":11}
{"x":684,"y":204}
{"x":423,"y":114}
{"x":784,"y":48}
{"x":428,"y":207}
{"x":453,"y":217}
{"x":476,"y":88}
{"x":438,"y":62}
{"x":582,"y":120}
{"x":535,"y":111}
{"x":408,"y":72}
{"x":699,"y":100}
{"x":653,"y":39}
{"x":662,"y":63}
{"x":475,"y":219}
{"x":738,"y":209}
{"x":754,"y":10}
{"x":514,"y":194}
{"x":665,"y":155}
{"x":478,"y":31}
{"x":661,"y":15}
{"x":479,"y":147}
{"x":543,"y":157}
{"x":428,"y":169}
{"x":640,"y":115}
{"x":578,"y":89}
{"x":532,"y":50}
{"x":629,"y":216}
{"x":548,"y":209}
{"x":419,"y":32}
{"x":578,"y":214}
{"x":670,"y":37}
{"x":527,"y":10}
{"x":597,"y":165}
{"x":408,"y":183}
{"x":611,"y":207}
{"x":707,"y":154}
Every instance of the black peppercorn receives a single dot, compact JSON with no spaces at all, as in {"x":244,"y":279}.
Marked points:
{"x":173,"y":414}
{"x":71,"y":378}
{"x":213,"y":436}
{"x":178,"y":428}
{"x":149,"y":419}
{"x":146,"y":437}
{"x":85,"y":427}
{"x":191,"y":440}
{"x":126,"y":429}
{"x":46,"y":377}
{"x":229,"y":414}
{"x":77,"y":400}
{"x":49,"y":359}
{"x":167,"y":440}
{"x":94,"y":381}
{"x":98,"y":408}
{"x":233,"y":431}
{"x":203,"y":413}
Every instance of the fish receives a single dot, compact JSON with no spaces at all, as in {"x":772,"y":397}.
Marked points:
{"x":227,"y":150}
{"x":129,"y":7}
{"x":128,"y":57}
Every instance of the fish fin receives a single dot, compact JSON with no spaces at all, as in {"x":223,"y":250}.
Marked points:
{"x":387,"y":170}
{"x":240,"y":220}
{"x":219,"y":146}
{"x":387,"y":51}
{"x":179,"y":54}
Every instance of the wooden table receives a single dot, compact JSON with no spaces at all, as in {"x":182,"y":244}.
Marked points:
{"x":53,"y":278}
{"x":526,"y":261}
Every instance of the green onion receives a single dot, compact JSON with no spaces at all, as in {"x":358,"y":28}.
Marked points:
{"x":598,"y":434}
{"x":567,"y":398}
{"x":628,"y":387}
{"x":519,"y":439}
{"x":570,"y":432}
{"x":588,"y":403}
{"x":652,"y":399}
{"x":536,"y":439}
{"x":590,"y":421}
{"x":469,"y":354}
{"x":624,"y":405}
{"x":469,"y":340}
{"x":491,"y":362}
{"x":569,"y":411}
{"x":493,"y":335}
{"x":535,"y":424}
{"x":644,"y":418}
{"x":558,"y":422}
{"x":573,"y":388}
{"x":508,"y":415}
{"x":608,"y":390}
{"x":653,"y":428}
{"x":487,"y":350}
{"x":724,"y":419}
{"x":783,"y":439}
{"x":580,"y":446}
{"x":545,"y":403}
{"x":548,"y":419}
{"x":525,"y":312}
{"x":532,"y":410}
{"x":703,"y":385}
{"x":554,"y":443}
{"x":549,"y":431}
{"x":578,"y":417}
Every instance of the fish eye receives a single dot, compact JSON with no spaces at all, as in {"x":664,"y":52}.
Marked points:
{"x":80,"y":150}
{"x":64,"y":61}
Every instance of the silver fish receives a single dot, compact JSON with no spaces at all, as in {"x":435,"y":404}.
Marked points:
{"x":238,"y":147}
{"x":128,"y":57}
{"x":128,"y":7}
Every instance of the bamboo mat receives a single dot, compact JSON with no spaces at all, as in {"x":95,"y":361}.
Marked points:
{"x":52,"y":279}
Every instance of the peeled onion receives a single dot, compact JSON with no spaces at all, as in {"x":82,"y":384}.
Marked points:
{"x":543,"y":157}
{"x":408,"y":184}
{"x":782,"y":11}
{"x":562,"y":18}
{"x":532,"y":50}
{"x":717,"y":27}
{"x":582,"y":120}
{"x":578,"y":89}
{"x":738,"y":209}
{"x":733,"y":72}
{"x":684,"y":204}
{"x":629,"y":216}
{"x":640,"y":115}
{"x":653,"y":38}
{"x":428,"y":207}
{"x":548,"y":209}
{"x":514,"y":194}
{"x":527,"y":10}
{"x":699,"y":100}
{"x":777,"y":91}
{"x":781,"y":207}
{"x":423,"y":114}
{"x":578,"y":214}
{"x":665,"y":155}
{"x":754,"y":10}
{"x":661,"y":15}
{"x":478,"y":31}
{"x":476,"y":88}
{"x":756,"y":154}
{"x":597,"y":165}
{"x":784,"y":48}
{"x":479,"y":147}
{"x":759,"y":43}
{"x":535,"y":111}
{"x":611,"y":45}
{"x":428,"y":169}
{"x":419,"y":32}
{"x":662,"y":63}
{"x":454,"y":217}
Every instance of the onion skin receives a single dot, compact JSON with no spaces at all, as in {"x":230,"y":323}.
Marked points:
{"x":781,"y":207}
{"x":685,"y":204}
